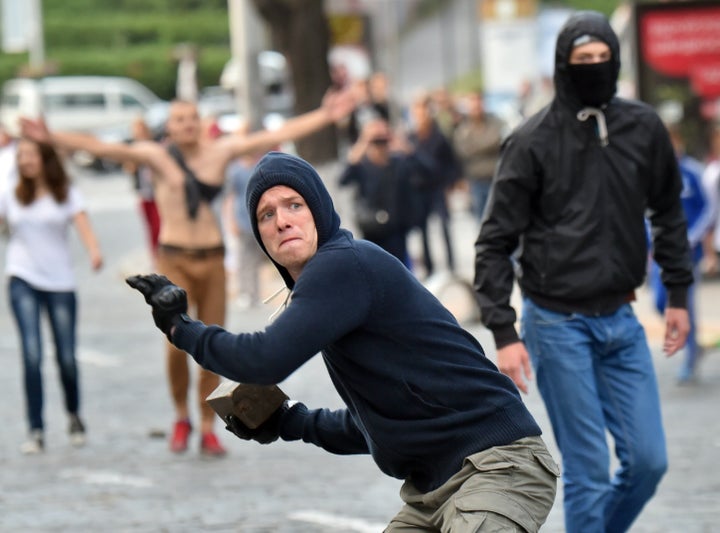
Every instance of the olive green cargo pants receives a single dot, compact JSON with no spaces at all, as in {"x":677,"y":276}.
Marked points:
{"x":503,"y":489}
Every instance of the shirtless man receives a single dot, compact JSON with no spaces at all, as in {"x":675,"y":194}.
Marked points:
{"x":191,"y":248}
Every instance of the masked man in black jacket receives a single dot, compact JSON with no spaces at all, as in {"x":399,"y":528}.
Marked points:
{"x":569,"y":197}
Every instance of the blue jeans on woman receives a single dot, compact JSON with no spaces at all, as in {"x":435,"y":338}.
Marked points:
{"x":61,"y":308}
{"x":596,"y":373}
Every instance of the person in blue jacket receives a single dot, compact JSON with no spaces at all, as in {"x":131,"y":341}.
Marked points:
{"x":699,"y":218}
{"x":421,"y":396}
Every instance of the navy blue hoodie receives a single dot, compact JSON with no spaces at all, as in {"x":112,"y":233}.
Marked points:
{"x":420,"y":393}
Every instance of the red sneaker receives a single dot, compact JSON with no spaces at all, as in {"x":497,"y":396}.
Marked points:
{"x":210,"y":445}
{"x":181,"y":432}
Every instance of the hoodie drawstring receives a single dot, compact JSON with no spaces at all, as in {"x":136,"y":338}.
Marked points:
{"x":283,"y":305}
{"x":588,"y":112}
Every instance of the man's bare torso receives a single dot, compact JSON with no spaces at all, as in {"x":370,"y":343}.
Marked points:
{"x":178,"y":228}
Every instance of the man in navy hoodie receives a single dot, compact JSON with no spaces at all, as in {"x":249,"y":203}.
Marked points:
{"x":421,"y":396}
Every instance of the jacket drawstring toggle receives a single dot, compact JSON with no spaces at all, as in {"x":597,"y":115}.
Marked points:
{"x":588,"y":112}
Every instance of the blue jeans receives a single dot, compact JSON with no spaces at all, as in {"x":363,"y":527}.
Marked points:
{"x":479,"y":192}
{"x":596,"y":373}
{"x":435,"y":203}
{"x":27,"y":303}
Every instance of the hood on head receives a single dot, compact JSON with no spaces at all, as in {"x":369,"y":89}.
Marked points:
{"x":579,"y":24}
{"x":277,"y":168}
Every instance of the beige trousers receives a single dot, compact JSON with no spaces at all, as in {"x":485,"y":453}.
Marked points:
{"x":203,"y":278}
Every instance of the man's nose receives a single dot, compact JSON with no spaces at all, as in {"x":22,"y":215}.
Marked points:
{"x":281,"y":219}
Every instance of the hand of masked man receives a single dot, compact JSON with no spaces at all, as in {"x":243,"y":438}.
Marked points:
{"x":265,"y":433}
{"x":168,"y":301}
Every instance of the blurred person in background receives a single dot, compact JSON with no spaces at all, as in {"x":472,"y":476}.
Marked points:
{"x":445,"y":111}
{"x":379,"y":90}
{"x":477,"y":140}
{"x":697,"y":213}
{"x":711,"y":184}
{"x":435,"y":149}
{"x":143,"y":186}
{"x":249,"y":257}
{"x":366,"y":109}
{"x":38,"y":211}
{"x":382,"y":166}
{"x":189,"y":174}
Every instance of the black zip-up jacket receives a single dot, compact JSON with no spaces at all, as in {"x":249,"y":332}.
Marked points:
{"x":570,"y":194}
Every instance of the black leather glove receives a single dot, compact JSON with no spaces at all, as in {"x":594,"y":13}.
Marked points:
{"x":265,"y":433}
{"x":168,"y":301}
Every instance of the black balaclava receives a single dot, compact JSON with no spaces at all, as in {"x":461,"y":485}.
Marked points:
{"x":595,"y":83}
{"x":586,"y":85}
{"x":277,"y":168}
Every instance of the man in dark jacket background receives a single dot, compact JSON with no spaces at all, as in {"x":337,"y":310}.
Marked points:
{"x":421,"y":396}
{"x":569,"y":195}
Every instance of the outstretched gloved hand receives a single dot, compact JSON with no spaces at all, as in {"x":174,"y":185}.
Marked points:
{"x":168,"y":301}
{"x":265,"y":433}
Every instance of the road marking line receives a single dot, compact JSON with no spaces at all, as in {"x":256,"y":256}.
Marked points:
{"x":341,"y":523}
{"x":105,"y":477}
{"x":97,"y":358}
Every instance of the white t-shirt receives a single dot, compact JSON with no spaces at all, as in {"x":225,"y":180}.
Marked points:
{"x":39,"y":249}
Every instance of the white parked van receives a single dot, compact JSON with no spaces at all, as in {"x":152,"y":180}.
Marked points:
{"x":76,"y":103}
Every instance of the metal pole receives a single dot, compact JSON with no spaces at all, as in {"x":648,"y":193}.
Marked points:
{"x":395,"y":63}
{"x":36,"y":38}
{"x":241,"y":57}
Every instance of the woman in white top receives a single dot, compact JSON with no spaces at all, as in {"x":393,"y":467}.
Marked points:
{"x":38,"y":212}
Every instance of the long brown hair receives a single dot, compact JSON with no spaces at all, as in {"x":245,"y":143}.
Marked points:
{"x":56,"y":178}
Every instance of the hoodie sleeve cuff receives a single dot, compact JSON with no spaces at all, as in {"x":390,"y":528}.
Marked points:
{"x":677,"y":297}
{"x":186,"y":333}
{"x":292,"y":422}
{"x":504,"y":336}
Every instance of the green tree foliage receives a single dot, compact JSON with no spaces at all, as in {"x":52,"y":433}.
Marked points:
{"x":136,"y":37}
{"x":133,"y":38}
{"x":603,"y":6}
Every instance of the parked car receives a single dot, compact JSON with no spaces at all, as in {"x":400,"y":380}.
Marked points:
{"x":102,"y":105}
{"x":75,"y":103}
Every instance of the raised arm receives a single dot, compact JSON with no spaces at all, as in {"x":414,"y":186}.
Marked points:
{"x":139,"y":152}
{"x":73,"y":141}
{"x":335,"y":106}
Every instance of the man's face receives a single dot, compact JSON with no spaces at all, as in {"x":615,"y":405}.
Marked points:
{"x":378,"y":135}
{"x":476,"y":106}
{"x":287,"y":228}
{"x":589,"y":53}
{"x":183,"y":124}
